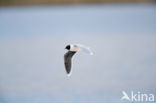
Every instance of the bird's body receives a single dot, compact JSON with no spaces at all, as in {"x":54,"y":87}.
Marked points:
{"x":72,"y":49}
{"x":68,"y":61}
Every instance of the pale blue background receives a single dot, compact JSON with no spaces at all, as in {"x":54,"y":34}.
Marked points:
{"x":32,"y":41}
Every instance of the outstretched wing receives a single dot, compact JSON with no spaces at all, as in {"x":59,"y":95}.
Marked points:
{"x":84,"y":49}
{"x":67,"y":60}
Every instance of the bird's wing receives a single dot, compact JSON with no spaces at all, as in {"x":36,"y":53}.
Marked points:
{"x":85,"y":49}
{"x":67,"y":60}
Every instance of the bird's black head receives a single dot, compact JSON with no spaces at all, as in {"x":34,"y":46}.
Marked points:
{"x":68,"y":47}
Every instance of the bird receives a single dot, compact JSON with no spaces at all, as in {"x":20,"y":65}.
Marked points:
{"x":72,"y":49}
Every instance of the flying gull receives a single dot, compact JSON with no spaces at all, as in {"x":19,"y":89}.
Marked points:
{"x":72,"y":49}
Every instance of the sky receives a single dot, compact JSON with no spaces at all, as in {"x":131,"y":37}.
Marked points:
{"x":32,"y":42}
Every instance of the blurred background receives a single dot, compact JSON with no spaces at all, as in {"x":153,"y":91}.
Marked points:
{"x":34,"y":33}
{"x":54,"y":2}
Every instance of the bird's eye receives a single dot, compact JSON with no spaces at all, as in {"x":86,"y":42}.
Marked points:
{"x":68,"y":47}
{"x":75,"y":45}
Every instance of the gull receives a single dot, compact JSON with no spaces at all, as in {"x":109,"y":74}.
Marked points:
{"x":72,"y":49}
